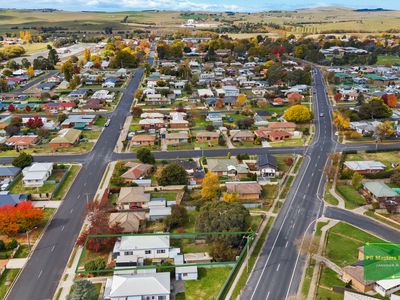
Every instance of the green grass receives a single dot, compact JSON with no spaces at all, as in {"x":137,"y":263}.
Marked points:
{"x":101,"y":120}
{"x":169,"y":196}
{"x":243,"y":278}
{"x":207,"y":286}
{"x":287,"y":186}
{"x":98,"y":288}
{"x":307,"y":278}
{"x":35,"y":47}
{"x":207,"y":145}
{"x":73,"y":171}
{"x":325,"y":294}
{"x":280,"y":159}
{"x":22,"y":252}
{"x":288,"y":143}
{"x":298,"y":164}
{"x":329,"y":198}
{"x":19,"y":188}
{"x":183,"y":146}
{"x":351,"y":196}
{"x":388,"y":60}
{"x":91,"y":134}
{"x":269,"y":191}
{"x":343,"y":241}
{"x":318,"y":231}
{"x":328,"y":279}
{"x":6,"y":280}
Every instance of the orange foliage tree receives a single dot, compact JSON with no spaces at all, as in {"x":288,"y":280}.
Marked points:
{"x":390,"y":100}
{"x":20,"y":218}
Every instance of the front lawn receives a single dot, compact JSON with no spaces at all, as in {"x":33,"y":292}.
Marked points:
{"x":183,"y":146}
{"x":73,"y":171}
{"x":269,"y":191}
{"x":91,"y":134}
{"x":101,"y":121}
{"x":19,"y":188}
{"x":207,"y":286}
{"x":388,"y":60}
{"x":343,"y":241}
{"x":288,"y":143}
{"x":351,"y":196}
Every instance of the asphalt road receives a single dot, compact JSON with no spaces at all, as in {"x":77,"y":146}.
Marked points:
{"x":367,"y":224}
{"x":278,"y":271}
{"x":40,"y":277}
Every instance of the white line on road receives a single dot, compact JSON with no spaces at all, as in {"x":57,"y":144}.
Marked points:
{"x":304,"y":196}
{"x":277,"y":268}
{"x":287,"y":243}
{"x":62,"y":228}
{"x":312,"y":174}
{"x":71,"y":210}
{"x":85,"y":184}
{"x":267,"y":295}
{"x":40,"y":273}
{"x":78,"y":197}
{"x":52,"y":249}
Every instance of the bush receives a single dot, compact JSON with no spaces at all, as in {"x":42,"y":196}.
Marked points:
{"x":83,"y":289}
{"x":95,"y":265}
{"x":221,"y":251}
{"x":2,"y":245}
{"x":380,"y":175}
{"x":23,"y":160}
{"x":12,"y":244}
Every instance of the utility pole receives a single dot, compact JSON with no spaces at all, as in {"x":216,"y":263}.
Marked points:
{"x":27,"y":237}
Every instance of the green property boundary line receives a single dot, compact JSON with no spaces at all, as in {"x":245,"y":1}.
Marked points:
{"x":249,"y":234}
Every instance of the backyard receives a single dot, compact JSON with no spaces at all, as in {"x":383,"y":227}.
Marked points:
{"x":207,"y":286}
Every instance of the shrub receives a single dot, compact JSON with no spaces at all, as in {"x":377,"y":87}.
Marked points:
{"x":2,"y":245}
{"x":12,"y":244}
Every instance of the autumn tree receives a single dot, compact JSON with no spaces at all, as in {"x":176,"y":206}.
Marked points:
{"x":98,"y":218}
{"x":68,"y":70}
{"x":20,"y":218}
{"x":35,"y":122}
{"x":390,"y":100}
{"x":307,"y":245}
{"x":11,"y":108}
{"x":86,"y":54}
{"x":338,"y":96}
{"x":241,"y":100}
{"x":298,"y":113}
{"x":30,"y":71}
{"x":341,"y":121}
{"x":383,"y":130}
{"x":231,"y":197}
{"x":210,"y":187}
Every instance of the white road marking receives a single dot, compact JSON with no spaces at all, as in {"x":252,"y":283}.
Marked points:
{"x":287,"y":242}
{"x":267,"y":295}
{"x":62,"y":228}
{"x":304,"y":196}
{"x":52,"y":249}
{"x":71,"y":210}
{"x":277,"y":269}
{"x":85,"y":184}
{"x":40,"y":273}
{"x":78,"y":197}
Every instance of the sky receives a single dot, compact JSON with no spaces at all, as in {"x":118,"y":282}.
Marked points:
{"x":207,"y":5}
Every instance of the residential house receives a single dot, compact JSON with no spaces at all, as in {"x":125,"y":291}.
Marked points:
{"x":178,"y":120}
{"x":141,"y":286}
{"x":365,"y":166}
{"x":109,"y":82}
{"x":20,"y":142}
{"x":229,"y":167}
{"x":241,"y":136}
{"x":267,"y":165}
{"x":79,"y":121}
{"x":36,"y":174}
{"x":132,"y":198}
{"x":78,"y":94}
{"x":129,"y":221}
{"x":151,"y":123}
{"x":355,"y":275}
{"x":286,"y":126}
{"x":387,"y":287}
{"x":143,"y":140}
{"x":207,"y":136}
{"x":273,"y":135}
{"x":9,"y":172}
{"x":158,"y":209}
{"x":12,"y":199}
{"x":246,"y":190}
{"x":215,"y":118}
{"x":103,"y":95}
{"x":205,"y":93}
{"x":136,"y":171}
{"x":66,"y":137}
{"x":157,"y":99}
{"x":381,"y":193}
{"x":186,"y":273}
{"x":177,"y":138}
{"x":146,"y":246}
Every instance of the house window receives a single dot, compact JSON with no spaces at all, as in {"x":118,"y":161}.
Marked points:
{"x":160,"y":251}
{"x":147,"y":251}
{"x":128,"y":253}
{"x":162,"y":297}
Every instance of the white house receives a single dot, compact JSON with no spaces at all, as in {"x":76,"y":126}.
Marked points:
{"x":37,"y":174}
{"x":387,"y":287}
{"x":152,"y":247}
{"x":186,"y":273}
{"x":144,"y":286}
